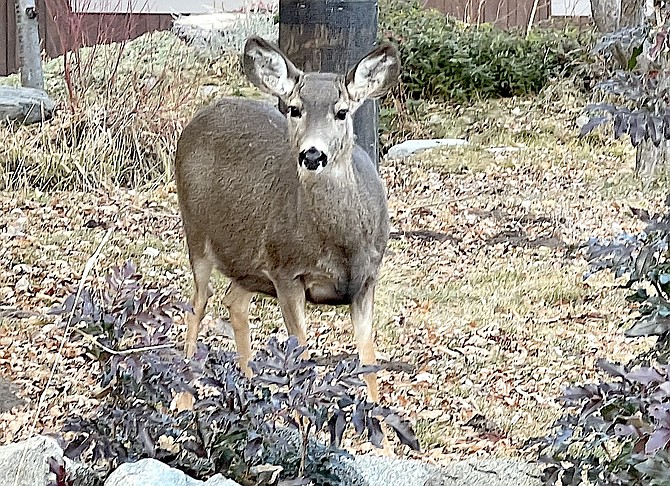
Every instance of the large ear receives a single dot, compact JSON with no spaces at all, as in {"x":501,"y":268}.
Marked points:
{"x":268,"y":68}
{"x":375,"y":74}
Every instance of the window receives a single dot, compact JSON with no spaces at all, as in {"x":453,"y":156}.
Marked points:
{"x":571,"y":8}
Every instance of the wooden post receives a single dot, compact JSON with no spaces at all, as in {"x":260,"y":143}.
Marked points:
{"x":332,"y":36}
{"x":28,"y":38}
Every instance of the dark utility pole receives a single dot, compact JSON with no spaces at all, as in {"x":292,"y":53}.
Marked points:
{"x":332,"y":36}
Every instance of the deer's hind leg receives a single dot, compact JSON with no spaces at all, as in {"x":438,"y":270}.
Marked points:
{"x":202,"y":270}
{"x":237,"y":300}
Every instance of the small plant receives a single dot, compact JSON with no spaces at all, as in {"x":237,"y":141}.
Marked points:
{"x":204,"y":416}
{"x":642,"y":96}
{"x":310,"y":402}
{"x":645,"y":260}
{"x":617,"y":432}
{"x":637,"y":95}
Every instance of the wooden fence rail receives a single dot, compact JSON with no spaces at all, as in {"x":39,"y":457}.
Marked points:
{"x":505,"y":14}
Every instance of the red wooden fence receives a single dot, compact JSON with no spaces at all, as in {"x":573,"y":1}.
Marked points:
{"x":505,"y":14}
{"x":62,"y":30}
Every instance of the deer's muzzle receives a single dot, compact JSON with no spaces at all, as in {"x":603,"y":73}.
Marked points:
{"x":312,"y":158}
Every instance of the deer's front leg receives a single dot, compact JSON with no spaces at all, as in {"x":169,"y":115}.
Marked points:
{"x":237,"y":301}
{"x":291,"y":299}
{"x":362,"y":315}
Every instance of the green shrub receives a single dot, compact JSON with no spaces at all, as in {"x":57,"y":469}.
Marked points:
{"x":446,"y":59}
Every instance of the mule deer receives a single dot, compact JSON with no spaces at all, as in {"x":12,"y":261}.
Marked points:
{"x":286,"y":205}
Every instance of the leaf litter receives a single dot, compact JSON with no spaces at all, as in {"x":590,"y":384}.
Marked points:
{"x":482,"y":315}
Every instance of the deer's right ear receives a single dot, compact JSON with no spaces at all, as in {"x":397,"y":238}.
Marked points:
{"x":269,"y":69}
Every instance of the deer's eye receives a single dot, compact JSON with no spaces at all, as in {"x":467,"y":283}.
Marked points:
{"x":341,"y":114}
{"x":294,"y":111}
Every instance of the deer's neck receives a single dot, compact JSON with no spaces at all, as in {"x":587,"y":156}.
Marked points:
{"x":335,"y":206}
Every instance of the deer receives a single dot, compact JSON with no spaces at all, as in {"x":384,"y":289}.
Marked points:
{"x":286,"y":205}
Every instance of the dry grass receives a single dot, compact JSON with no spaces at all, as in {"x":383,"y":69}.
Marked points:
{"x":481,"y":292}
{"x":118,"y":118}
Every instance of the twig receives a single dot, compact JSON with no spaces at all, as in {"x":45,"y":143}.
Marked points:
{"x":16,"y":313}
{"x":87,"y":269}
{"x":123,"y":352}
{"x":453,"y":200}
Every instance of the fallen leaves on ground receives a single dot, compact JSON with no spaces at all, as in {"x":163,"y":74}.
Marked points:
{"x":482,"y":314}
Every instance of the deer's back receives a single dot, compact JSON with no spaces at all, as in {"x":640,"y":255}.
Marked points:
{"x":241,"y":204}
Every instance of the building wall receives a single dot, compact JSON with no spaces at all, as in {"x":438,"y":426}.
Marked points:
{"x":571,"y":8}
{"x":61,"y":29}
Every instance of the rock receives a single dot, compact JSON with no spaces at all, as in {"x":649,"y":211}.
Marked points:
{"x":219,"y":480}
{"x":27,"y":461}
{"x":221,"y":32}
{"x":382,"y":471}
{"x":150,"y":472}
{"x":490,"y":472}
{"x":8,"y":398}
{"x":27,"y":464}
{"x":25,"y":105}
{"x":411,"y":147}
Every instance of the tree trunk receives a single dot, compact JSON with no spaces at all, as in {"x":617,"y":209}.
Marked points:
{"x":648,"y":156}
{"x":28,"y":37}
{"x":606,"y":15}
{"x":612,"y":15}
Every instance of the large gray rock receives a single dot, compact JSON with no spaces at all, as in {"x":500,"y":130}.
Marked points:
{"x":27,"y":464}
{"x":150,"y":472}
{"x":224,"y":32}
{"x":489,"y":472}
{"x":25,"y":105}
{"x":384,"y":471}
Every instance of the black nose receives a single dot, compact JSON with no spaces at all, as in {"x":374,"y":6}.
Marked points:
{"x":312,"y":158}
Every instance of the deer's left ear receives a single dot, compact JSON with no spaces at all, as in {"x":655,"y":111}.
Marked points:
{"x":374,"y":75}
